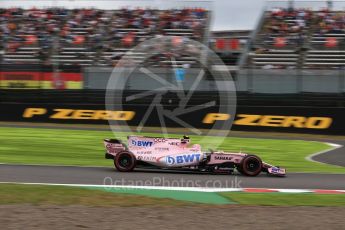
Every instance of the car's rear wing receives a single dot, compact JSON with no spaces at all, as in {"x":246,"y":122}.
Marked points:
{"x":113,"y":146}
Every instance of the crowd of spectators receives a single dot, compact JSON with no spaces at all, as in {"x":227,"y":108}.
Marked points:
{"x":20,"y":27}
{"x":97,"y":30}
{"x":283,"y":21}
{"x":330,"y":22}
{"x":290,"y":26}
{"x":297,"y":31}
{"x":294,"y":25}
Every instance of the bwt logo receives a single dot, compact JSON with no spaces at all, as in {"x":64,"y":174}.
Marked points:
{"x":142,"y":143}
{"x":190,"y":158}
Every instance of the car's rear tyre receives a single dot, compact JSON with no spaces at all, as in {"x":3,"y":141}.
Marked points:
{"x":125,"y":161}
{"x":250,"y":165}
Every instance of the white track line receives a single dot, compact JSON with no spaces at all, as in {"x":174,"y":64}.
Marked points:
{"x":190,"y":189}
{"x":109,"y":187}
{"x":333,"y":147}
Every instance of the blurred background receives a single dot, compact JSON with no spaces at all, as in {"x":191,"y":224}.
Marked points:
{"x":286,"y":52}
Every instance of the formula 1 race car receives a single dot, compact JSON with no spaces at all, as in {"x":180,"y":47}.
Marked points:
{"x":178,"y":153}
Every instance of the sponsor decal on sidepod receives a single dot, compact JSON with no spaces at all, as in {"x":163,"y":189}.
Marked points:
{"x":181,"y":159}
{"x":223,"y":158}
{"x":141,"y":143}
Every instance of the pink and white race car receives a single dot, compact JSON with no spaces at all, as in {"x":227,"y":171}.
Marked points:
{"x":178,"y":153}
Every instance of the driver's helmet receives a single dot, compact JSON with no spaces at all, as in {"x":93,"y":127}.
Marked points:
{"x":185,"y":139}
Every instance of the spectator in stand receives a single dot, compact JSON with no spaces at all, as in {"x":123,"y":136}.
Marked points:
{"x":289,"y":20}
{"x":330,"y":22}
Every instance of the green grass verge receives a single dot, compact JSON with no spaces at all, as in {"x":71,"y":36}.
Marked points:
{"x":81,"y":147}
{"x":60,"y":195}
{"x":190,"y":196}
{"x":285,"y":199}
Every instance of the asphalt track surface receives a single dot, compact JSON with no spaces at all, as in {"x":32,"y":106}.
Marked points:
{"x":108,"y":175}
{"x":334,"y":157}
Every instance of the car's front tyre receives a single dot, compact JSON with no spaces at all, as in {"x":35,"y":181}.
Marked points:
{"x":250,"y":165}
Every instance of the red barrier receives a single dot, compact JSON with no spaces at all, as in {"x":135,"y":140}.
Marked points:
{"x":234,"y":44}
{"x":220,"y":44}
{"x":227,"y":44}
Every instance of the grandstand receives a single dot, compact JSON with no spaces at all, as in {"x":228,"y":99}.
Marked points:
{"x":88,"y":37}
{"x":290,"y":38}
{"x":293,"y":60}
